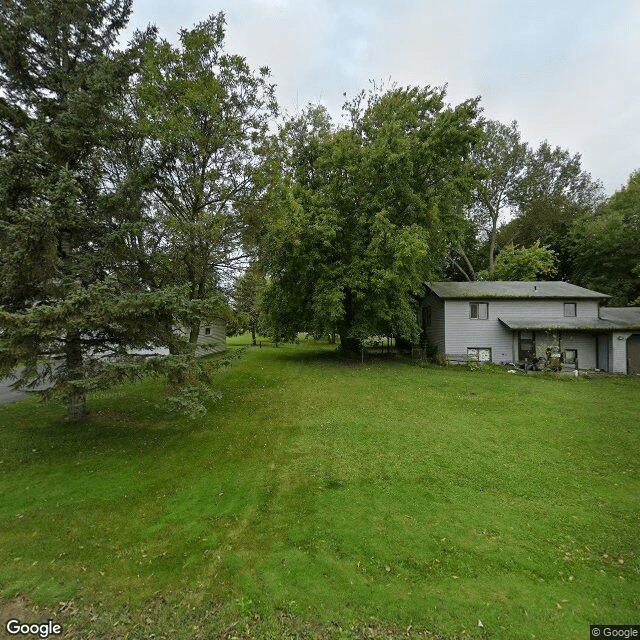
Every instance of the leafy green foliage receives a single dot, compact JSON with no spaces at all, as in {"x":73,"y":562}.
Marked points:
{"x":542,"y":191}
{"x":553,"y":193}
{"x":65,"y":281}
{"x":92,"y":267}
{"x":605,"y":246}
{"x":500,"y":159}
{"x":204,"y":115}
{"x":369,"y":214}
{"x":523,"y":263}
{"x":247,"y":296}
{"x":298,"y":508}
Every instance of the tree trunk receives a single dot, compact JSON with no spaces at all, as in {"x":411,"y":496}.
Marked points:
{"x":461,"y":270}
{"x":76,"y":407}
{"x":492,"y":245}
{"x":253,"y":334}
{"x":472,"y":274}
{"x":350,"y":346}
{"x":194,"y":333}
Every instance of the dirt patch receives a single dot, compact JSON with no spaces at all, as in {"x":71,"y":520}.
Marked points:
{"x":19,"y":609}
{"x":164,"y":621}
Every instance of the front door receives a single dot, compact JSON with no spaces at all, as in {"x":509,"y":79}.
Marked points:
{"x":526,"y":346}
{"x":603,"y":352}
{"x":633,"y":353}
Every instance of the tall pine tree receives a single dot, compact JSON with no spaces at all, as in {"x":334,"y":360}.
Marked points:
{"x":69,"y":293}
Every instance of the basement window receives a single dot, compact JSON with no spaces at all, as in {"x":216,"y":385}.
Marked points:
{"x":571,"y":356}
{"x":479,"y":310}
{"x":569,"y":309}
{"x":480,"y":354}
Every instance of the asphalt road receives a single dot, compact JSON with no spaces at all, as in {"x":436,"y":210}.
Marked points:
{"x":7,"y":394}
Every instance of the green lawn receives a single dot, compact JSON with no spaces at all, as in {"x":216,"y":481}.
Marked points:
{"x":321,"y":498}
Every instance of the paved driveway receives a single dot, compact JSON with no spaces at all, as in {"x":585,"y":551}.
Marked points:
{"x":7,"y":394}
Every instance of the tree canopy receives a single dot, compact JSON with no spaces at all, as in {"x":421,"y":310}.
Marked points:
{"x":136,"y":186}
{"x":204,"y":116}
{"x":120,"y":201}
{"x":501,"y":158}
{"x":369,"y":214}
{"x":524,"y":196}
{"x":523,"y":263}
{"x":554,"y":192}
{"x":605,"y":245}
{"x":65,"y":283}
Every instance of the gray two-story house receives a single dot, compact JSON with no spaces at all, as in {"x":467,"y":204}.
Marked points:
{"x":517,"y":321}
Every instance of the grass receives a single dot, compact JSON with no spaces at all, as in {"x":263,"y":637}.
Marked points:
{"x":322,"y":498}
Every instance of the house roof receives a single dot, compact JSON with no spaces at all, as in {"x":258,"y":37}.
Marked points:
{"x":560,"y":324}
{"x":622,"y":317}
{"x":611,"y":319}
{"x":513,"y":290}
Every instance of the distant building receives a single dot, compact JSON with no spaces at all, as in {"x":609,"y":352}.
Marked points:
{"x":212,"y":337}
{"x":519,"y":321}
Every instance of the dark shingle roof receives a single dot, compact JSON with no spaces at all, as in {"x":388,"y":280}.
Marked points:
{"x":622,"y":317}
{"x":560,"y":324}
{"x":503,"y":289}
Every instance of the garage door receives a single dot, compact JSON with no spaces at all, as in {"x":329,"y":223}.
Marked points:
{"x":633,"y":353}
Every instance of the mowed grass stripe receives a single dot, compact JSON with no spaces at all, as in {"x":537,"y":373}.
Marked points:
{"x":323,"y":492}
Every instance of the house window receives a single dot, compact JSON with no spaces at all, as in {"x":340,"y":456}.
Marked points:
{"x":207,"y":331}
{"x":571,"y":356}
{"x":480,"y":354}
{"x":426,"y":318}
{"x":570,"y":309}
{"x":479,"y":310}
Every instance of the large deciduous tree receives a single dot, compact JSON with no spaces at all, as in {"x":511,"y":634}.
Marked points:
{"x":605,"y":246}
{"x":205,"y":116}
{"x":554,"y":192}
{"x":501,"y":159}
{"x":370,"y":214}
{"x":67,"y":288}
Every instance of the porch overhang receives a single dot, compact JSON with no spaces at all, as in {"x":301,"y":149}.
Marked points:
{"x":564,"y":324}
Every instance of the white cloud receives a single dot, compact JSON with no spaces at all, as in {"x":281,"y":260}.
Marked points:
{"x":567,"y":71}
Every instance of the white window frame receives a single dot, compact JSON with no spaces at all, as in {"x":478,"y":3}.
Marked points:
{"x":575,"y":310}
{"x":478,"y":307}
{"x":476,"y":356}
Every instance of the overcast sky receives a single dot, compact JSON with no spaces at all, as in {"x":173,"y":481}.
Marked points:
{"x":568,"y":71}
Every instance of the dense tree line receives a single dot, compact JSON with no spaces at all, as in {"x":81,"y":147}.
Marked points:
{"x":370,"y":211}
{"x":128,"y":180}
{"x":152,"y":188}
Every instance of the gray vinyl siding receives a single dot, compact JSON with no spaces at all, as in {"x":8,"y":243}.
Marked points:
{"x":462,"y":332}
{"x":618,"y":352}
{"x":585,"y":344}
{"x":217,"y":337}
{"x":610,"y":363}
{"x":436,"y":332}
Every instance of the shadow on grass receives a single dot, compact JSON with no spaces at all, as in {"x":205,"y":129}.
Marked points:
{"x":33,"y":433}
{"x":57,"y":441}
{"x":323,"y":353}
